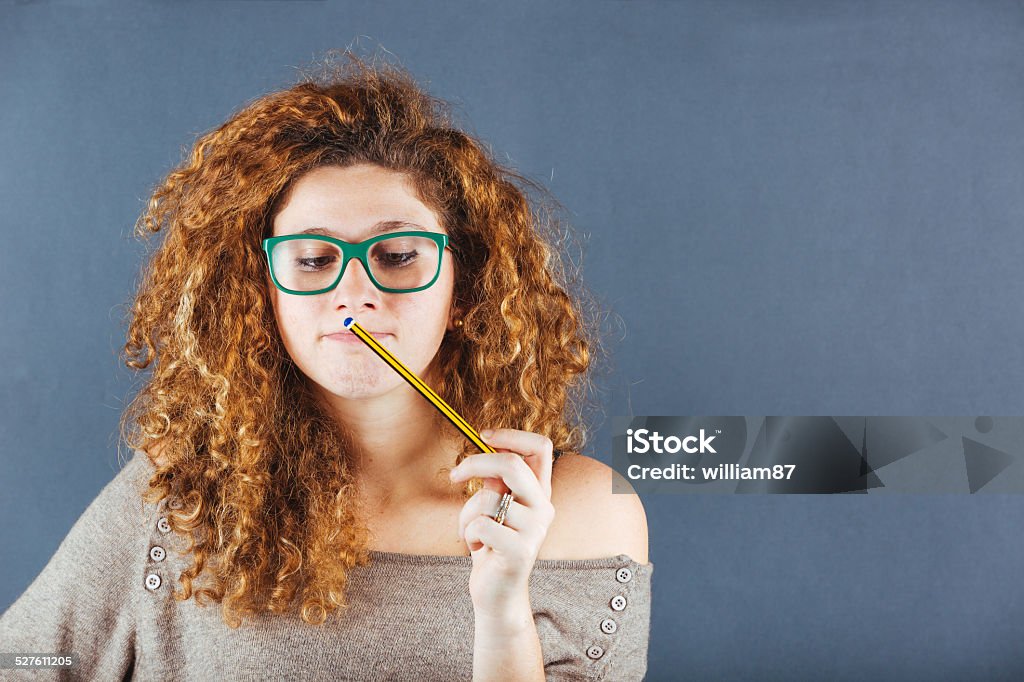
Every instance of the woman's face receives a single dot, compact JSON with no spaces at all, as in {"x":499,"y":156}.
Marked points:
{"x":349,"y":202}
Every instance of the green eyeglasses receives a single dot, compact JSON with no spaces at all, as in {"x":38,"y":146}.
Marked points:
{"x":397,"y":262}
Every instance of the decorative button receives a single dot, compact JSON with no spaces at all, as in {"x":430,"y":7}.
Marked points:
{"x":152,"y":581}
{"x":157,"y":553}
{"x":163,"y":525}
{"x":175,"y":503}
{"x":624,"y":575}
{"x":608,"y":626}
{"x":618,"y":603}
{"x":595,"y":652}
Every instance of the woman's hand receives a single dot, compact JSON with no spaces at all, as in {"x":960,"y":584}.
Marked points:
{"x":503,"y":555}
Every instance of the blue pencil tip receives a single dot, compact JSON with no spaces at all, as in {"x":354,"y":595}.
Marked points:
{"x":348,"y":322}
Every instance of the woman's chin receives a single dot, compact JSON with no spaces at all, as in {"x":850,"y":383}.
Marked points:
{"x":359,"y":387}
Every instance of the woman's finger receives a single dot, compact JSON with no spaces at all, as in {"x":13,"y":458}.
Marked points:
{"x":483,"y":502}
{"x":511,"y":469}
{"x":483,"y":531}
{"x":517,"y":517}
{"x":537,"y":451}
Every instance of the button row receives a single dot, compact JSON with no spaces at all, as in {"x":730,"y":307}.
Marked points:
{"x":618,"y":603}
{"x":158,"y":553}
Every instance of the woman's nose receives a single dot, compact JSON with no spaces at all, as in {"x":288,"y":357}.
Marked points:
{"x":355,"y":287}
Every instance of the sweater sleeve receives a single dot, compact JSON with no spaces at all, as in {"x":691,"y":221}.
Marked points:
{"x":593,"y":618}
{"x":81,"y":601}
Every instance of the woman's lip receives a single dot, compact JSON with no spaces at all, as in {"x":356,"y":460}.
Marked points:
{"x":350,"y":337}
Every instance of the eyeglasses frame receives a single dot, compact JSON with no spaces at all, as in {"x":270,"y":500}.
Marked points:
{"x":358,"y":251}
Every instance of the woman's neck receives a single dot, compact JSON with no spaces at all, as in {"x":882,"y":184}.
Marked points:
{"x":400,"y":452}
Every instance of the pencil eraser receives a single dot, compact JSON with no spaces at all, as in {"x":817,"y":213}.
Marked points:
{"x":348,"y":322}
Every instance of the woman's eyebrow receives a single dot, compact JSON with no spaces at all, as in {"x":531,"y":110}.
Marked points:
{"x":378,"y":228}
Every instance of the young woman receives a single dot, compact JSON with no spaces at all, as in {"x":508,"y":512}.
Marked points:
{"x":285,"y":472}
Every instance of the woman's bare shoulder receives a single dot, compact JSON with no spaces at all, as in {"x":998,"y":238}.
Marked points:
{"x":592,"y":521}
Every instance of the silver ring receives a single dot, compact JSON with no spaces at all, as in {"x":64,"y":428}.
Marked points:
{"x":506,"y":501}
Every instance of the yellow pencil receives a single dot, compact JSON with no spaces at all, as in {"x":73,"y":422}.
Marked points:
{"x":454,"y":417}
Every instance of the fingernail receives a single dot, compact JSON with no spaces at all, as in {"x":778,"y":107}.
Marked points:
{"x":453,"y":473}
{"x":487,"y":433}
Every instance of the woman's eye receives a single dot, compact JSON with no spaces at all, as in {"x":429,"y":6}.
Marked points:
{"x":315,"y":263}
{"x":397,"y":258}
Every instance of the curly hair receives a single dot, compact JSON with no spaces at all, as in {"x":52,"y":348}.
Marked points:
{"x":259,"y":465}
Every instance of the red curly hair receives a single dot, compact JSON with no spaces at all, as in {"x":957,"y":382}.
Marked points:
{"x":260,"y":466}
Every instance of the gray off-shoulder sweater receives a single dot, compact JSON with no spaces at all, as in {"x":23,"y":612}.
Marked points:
{"x":106,"y":596}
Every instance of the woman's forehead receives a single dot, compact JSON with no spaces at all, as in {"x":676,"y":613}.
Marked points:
{"x":354,"y":202}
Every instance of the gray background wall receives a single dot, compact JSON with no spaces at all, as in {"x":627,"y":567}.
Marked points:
{"x":840,"y":184}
